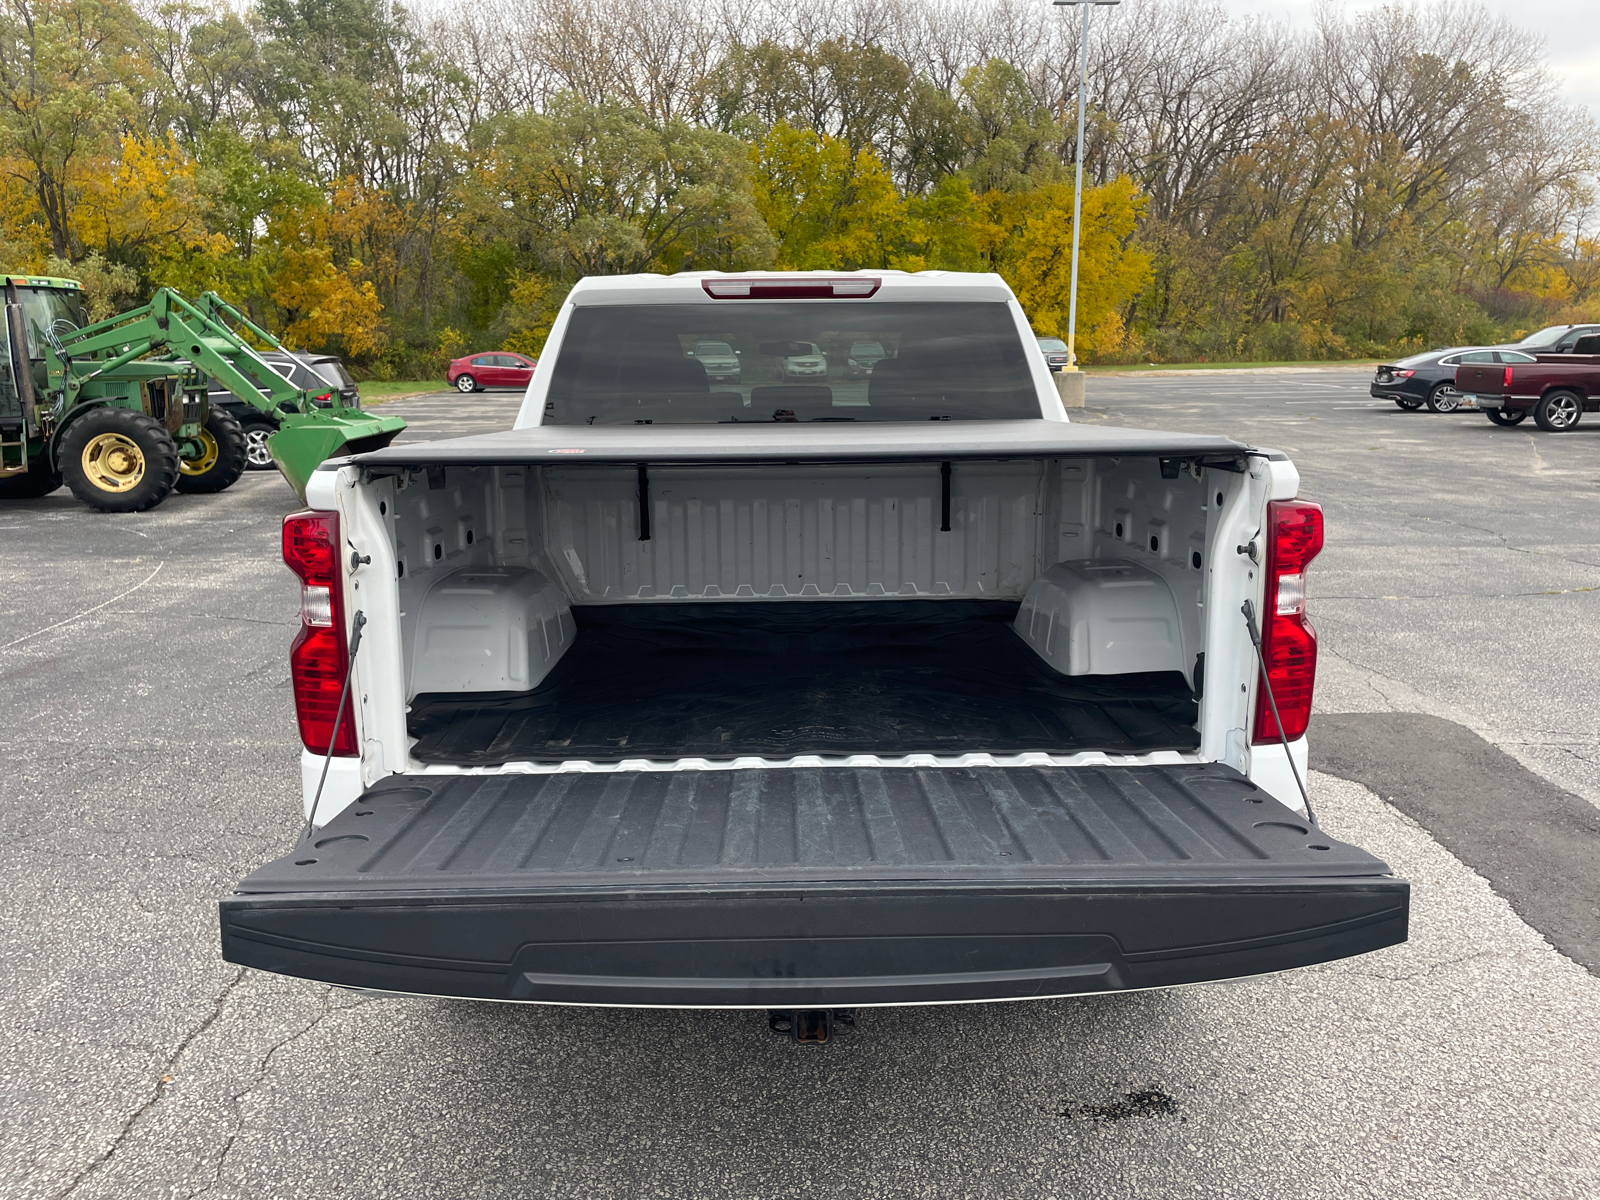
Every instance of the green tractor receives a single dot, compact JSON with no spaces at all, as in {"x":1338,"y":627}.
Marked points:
{"x":118,"y":411}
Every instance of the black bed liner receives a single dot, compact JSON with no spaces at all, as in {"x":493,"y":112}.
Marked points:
{"x":787,"y":678}
{"x":811,"y":886}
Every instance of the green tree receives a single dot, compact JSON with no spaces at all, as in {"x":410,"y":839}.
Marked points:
{"x":594,"y":189}
{"x":68,"y":75}
{"x":1035,"y":256}
{"x":1013,"y":142}
{"x":826,"y":205}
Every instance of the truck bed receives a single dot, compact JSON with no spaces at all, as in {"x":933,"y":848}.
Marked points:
{"x":781,"y":679}
{"x":810,"y":886}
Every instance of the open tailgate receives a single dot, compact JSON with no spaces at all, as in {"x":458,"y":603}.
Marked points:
{"x":811,"y":887}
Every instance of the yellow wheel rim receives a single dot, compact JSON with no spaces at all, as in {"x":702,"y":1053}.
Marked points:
{"x":113,"y":463}
{"x":204,"y":460}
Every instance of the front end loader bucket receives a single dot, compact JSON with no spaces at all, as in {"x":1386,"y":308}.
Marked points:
{"x":304,"y":441}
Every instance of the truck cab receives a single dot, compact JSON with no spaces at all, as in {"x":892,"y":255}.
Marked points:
{"x":798,"y":695}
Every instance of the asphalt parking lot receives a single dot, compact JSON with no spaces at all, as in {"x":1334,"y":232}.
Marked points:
{"x":150,"y":760}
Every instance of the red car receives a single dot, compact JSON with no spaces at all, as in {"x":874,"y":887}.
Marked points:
{"x":478,"y":371}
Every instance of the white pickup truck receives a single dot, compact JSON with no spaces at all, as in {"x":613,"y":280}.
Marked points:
{"x":791,"y":693}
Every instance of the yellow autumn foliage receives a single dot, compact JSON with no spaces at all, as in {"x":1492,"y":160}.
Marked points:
{"x":24,"y":239}
{"x":146,"y":198}
{"x":828,"y":208}
{"x":831,"y":208}
{"x":328,"y":297}
{"x":1033,"y":251}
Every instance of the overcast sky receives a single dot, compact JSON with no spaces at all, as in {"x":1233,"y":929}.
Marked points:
{"x":1571,"y":29}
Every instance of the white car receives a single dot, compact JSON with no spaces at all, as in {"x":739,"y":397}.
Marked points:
{"x":673,"y":696}
{"x":799,"y":360}
{"x":720,"y":361}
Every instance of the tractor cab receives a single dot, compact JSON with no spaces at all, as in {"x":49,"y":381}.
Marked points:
{"x":38,"y":309}
{"x":51,"y":309}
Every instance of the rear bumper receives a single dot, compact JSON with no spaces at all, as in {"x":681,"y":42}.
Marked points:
{"x":811,"y":888}
{"x":1399,"y":389}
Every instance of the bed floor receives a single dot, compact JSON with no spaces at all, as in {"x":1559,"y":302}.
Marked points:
{"x":774,"y":680}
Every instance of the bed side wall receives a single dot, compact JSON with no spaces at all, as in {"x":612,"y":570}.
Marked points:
{"x":788,"y":532}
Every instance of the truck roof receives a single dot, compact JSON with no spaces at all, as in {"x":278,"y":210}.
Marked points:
{"x":831,"y":442}
{"x":690,"y":287}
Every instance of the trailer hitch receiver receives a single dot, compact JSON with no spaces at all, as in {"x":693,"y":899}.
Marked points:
{"x":811,"y":1026}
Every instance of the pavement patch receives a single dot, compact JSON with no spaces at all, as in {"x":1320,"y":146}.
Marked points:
{"x":1148,"y":1103}
{"x":1537,"y":844}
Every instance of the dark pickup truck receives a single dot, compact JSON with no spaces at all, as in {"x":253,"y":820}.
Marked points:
{"x":1556,"y":388}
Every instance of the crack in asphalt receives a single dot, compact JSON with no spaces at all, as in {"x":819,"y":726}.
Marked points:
{"x":1466,"y":595}
{"x":1505,"y":543}
{"x":200,"y":616}
{"x":1427,"y":970}
{"x":1368,"y":674}
{"x":236,"y":1100}
{"x":100,"y":1160}
{"x":263,"y":1068}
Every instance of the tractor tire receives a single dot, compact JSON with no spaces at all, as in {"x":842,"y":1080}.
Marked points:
{"x":39,"y":481}
{"x":257,"y":456}
{"x":117,"y":460}
{"x":1557,"y":412}
{"x":222,"y":456}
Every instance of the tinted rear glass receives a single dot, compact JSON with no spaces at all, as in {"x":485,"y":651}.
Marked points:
{"x":629,"y":364}
{"x":1548,"y":336}
{"x":333,"y":371}
{"x":1419,"y":360}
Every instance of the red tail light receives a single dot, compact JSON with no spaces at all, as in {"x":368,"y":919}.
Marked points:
{"x":319,"y":658}
{"x":1505,"y":380}
{"x":1288,"y":643}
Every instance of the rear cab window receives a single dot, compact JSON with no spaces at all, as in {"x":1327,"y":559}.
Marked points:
{"x":940,"y":360}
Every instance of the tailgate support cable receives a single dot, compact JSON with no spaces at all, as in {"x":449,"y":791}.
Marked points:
{"x":1249,"y":611}
{"x":356,"y":625}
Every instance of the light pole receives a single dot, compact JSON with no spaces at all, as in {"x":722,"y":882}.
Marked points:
{"x":1077,"y":190}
